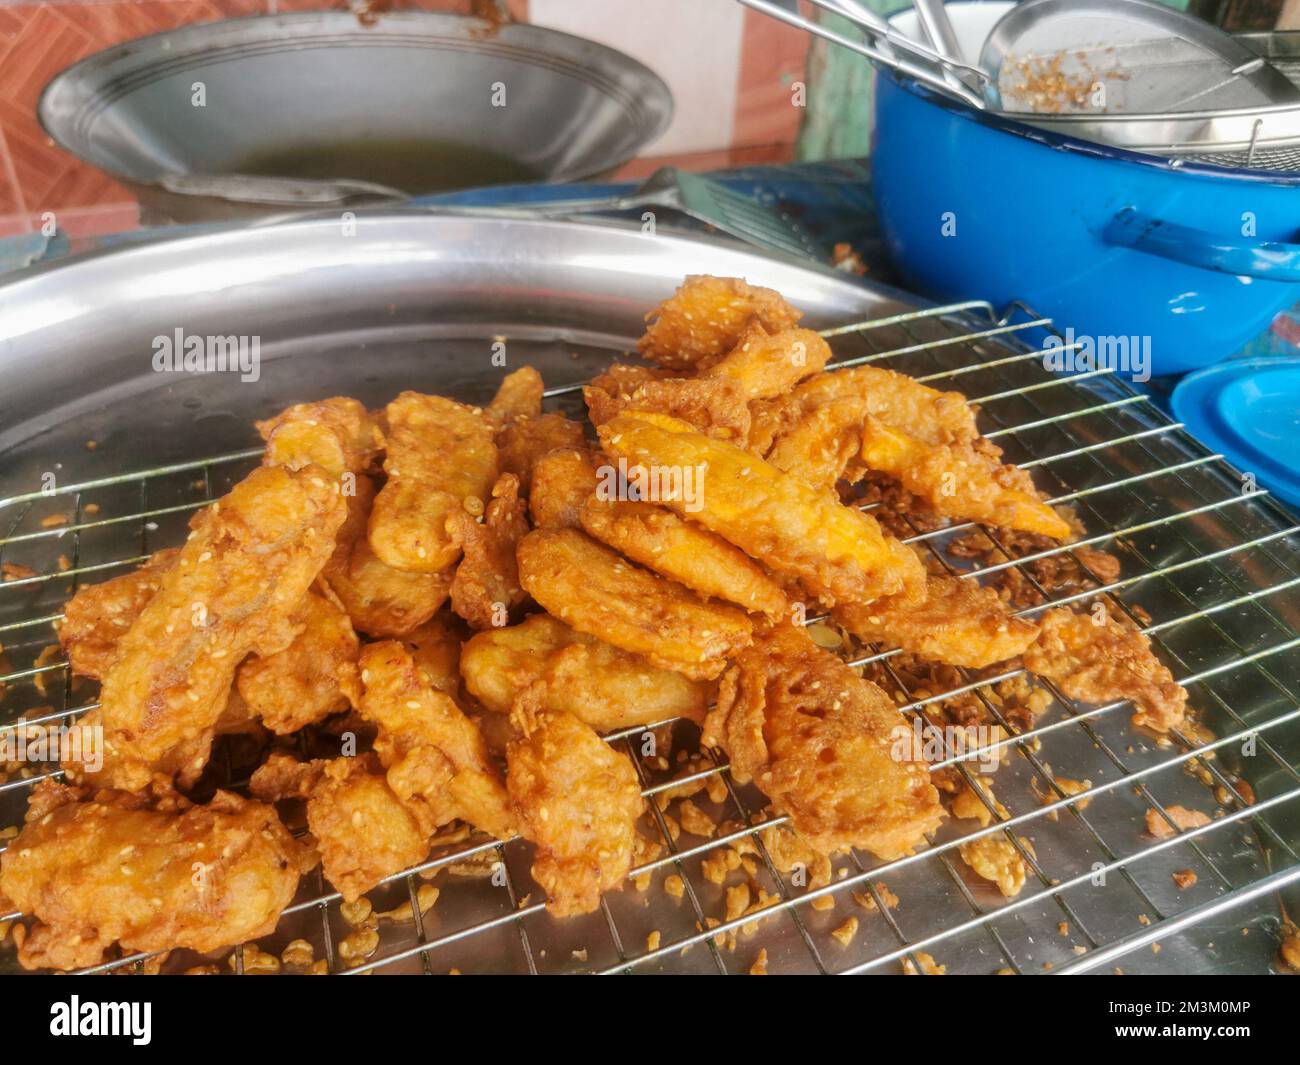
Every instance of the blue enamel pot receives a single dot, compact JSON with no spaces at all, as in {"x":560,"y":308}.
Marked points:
{"x":1192,"y":261}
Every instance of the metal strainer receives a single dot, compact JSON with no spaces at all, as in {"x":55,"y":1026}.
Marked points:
{"x":1122,"y":56}
{"x":1135,"y":74}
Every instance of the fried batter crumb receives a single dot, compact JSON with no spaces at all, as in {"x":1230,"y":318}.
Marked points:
{"x":996,"y":859}
{"x":674,"y":886}
{"x":845,"y":933}
{"x":1184,"y":818}
{"x":928,"y":965}
{"x":257,"y":962}
{"x":357,"y":946}
{"x":737,"y":901}
{"x":356,"y":913}
{"x":759,"y":968}
{"x":694,"y":820}
{"x":298,"y":952}
{"x":1290,"y":950}
{"x":1184,"y":878}
{"x":652,"y":941}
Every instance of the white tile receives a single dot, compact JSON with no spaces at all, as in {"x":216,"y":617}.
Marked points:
{"x":694,"y":45}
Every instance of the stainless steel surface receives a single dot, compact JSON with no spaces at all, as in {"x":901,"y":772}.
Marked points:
{"x":571,"y":108}
{"x":253,"y":188}
{"x":933,"y":15}
{"x":762,"y":225}
{"x":939,"y":33}
{"x":880,"y":47}
{"x":1263,"y":137}
{"x":413,"y":301}
{"x":1149,"y":58}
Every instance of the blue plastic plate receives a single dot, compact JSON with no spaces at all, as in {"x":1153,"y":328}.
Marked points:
{"x":1249,"y":410}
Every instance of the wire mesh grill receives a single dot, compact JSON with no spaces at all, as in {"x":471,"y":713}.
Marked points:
{"x":1210,"y":570}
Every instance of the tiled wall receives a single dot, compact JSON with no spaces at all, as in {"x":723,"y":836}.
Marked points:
{"x":730,"y":69}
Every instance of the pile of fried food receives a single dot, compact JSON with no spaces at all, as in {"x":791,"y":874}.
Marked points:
{"x":480,"y":593}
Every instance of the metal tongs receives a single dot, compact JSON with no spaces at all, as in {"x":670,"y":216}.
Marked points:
{"x":886,"y":46}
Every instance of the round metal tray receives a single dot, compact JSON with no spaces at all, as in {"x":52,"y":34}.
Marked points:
{"x":390,"y":300}
{"x":398,"y":300}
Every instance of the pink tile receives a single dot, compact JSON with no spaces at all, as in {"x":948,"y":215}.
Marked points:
{"x":39,"y":40}
{"x":14,"y":225}
{"x":772,"y":58}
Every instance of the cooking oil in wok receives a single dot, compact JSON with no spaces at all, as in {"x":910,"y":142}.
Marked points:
{"x":413,"y":166}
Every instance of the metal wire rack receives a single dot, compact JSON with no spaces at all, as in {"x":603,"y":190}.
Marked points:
{"x":1210,"y":570}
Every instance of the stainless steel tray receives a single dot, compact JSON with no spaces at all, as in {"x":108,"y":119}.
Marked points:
{"x":413,"y":301}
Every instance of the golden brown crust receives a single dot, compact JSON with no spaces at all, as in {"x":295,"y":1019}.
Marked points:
{"x":562,"y":482}
{"x":435,"y":757}
{"x":717,"y":407}
{"x":706,"y":317}
{"x":232,"y":591}
{"x":589,"y":587}
{"x":1096,"y":659}
{"x":337,"y":434}
{"x":526,"y":440}
{"x":435,"y":648}
{"x":381,"y":601}
{"x":764,"y":365}
{"x":363,"y":832}
{"x":312,"y":678}
{"x":439,"y":455}
{"x":486,"y":586}
{"x":824,"y":745}
{"x":98,"y":616}
{"x":520,"y":396}
{"x":578,"y":801}
{"x":926,"y":439}
{"x":839,"y":554}
{"x":604,"y":686}
{"x":957,"y":623}
{"x":109,"y":871}
{"x":689,"y":554}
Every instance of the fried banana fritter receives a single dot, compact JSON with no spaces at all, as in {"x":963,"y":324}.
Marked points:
{"x":363,"y":832}
{"x":717,"y":400}
{"x":562,"y":483}
{"x":312,"y":678}
{"x":486,"y":586}
{"x":603,"y":686}
{"x":380,"y":600}
{"x":111,"y":870}
{"x":706,"y":318}
{"x":824,"y":745}
{"x":519,"y":397}
{"x":924,"y":438}
{"x":435,"y":647}
{"x":965,"y":483}
{"x":765,"y":365}
{"x":1097,"y":662}
{"x":439,"y":455}
{"x":823,"y":445}
{"x":337,"y":434}
{"x":232,"y":591}
{"x":577,"y":800}
{"x":957,"y":623}
{"x":716,"y":407}
{"x":98,"y":616}
{"x":435,"y":757}
{"x":703,"y":561}
{"x":836,"y":552}
{"x":523,"y":443}
{"x":589,"y":587}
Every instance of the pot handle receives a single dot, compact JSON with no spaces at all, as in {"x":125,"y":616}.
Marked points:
{"x":1265,"y":259}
